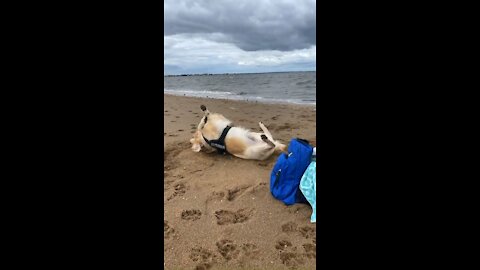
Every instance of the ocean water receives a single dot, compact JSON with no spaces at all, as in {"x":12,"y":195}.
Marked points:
{"x":283,"y":87}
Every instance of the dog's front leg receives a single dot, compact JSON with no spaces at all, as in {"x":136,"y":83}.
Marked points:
{"x":202,"y":123}
{"x":204,"y":118}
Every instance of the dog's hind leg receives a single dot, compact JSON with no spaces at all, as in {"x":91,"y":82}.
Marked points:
{"x":278,"y":145}
{"x":266,"y":131}
{"x":258,"y":152}
{"x":265,"y":139}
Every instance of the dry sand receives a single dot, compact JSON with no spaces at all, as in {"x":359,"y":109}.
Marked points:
{"x":219,"y":213}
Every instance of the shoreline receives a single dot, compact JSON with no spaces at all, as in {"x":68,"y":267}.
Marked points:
{"x":266,"y":102}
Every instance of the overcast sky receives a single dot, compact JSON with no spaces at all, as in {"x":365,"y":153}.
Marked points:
{"x":224,"y":36}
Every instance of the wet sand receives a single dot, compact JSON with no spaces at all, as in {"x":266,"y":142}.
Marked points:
{"x":219,"y":213}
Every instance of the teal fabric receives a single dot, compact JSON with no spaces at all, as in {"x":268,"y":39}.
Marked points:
{"x":308,"y":186}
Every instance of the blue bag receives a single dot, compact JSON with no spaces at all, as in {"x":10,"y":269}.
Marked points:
{"x":288,"y":171}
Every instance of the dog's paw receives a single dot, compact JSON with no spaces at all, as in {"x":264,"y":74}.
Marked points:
{"x":228,"y":249}
{"x":307,"y":232}
{"x":203,"y":107}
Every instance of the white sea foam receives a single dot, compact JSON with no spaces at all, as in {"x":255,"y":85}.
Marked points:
{"x":289,"y":87}
{"x":232,"y":96}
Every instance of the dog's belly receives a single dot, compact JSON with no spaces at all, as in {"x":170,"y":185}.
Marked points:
{"x":235,"y":146}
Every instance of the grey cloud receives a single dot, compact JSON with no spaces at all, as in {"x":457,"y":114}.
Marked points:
{"x":187,"y":54}
{"x":250,"y":25}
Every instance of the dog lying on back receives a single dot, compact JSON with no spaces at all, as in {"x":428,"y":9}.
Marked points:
{"x":216,"y":133}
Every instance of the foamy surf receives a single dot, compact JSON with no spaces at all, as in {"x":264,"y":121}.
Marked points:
{"x":232,"y":96}
{"x":289,"y":87}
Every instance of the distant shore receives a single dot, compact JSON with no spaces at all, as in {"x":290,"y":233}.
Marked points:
{"x":211,"y":74}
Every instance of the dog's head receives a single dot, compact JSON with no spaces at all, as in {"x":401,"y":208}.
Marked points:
{"x":211,"y":125}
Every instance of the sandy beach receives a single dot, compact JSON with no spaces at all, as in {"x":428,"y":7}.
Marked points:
{"x":218,"y":210}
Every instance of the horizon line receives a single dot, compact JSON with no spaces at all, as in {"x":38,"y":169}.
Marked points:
{"x":234,"y":73}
